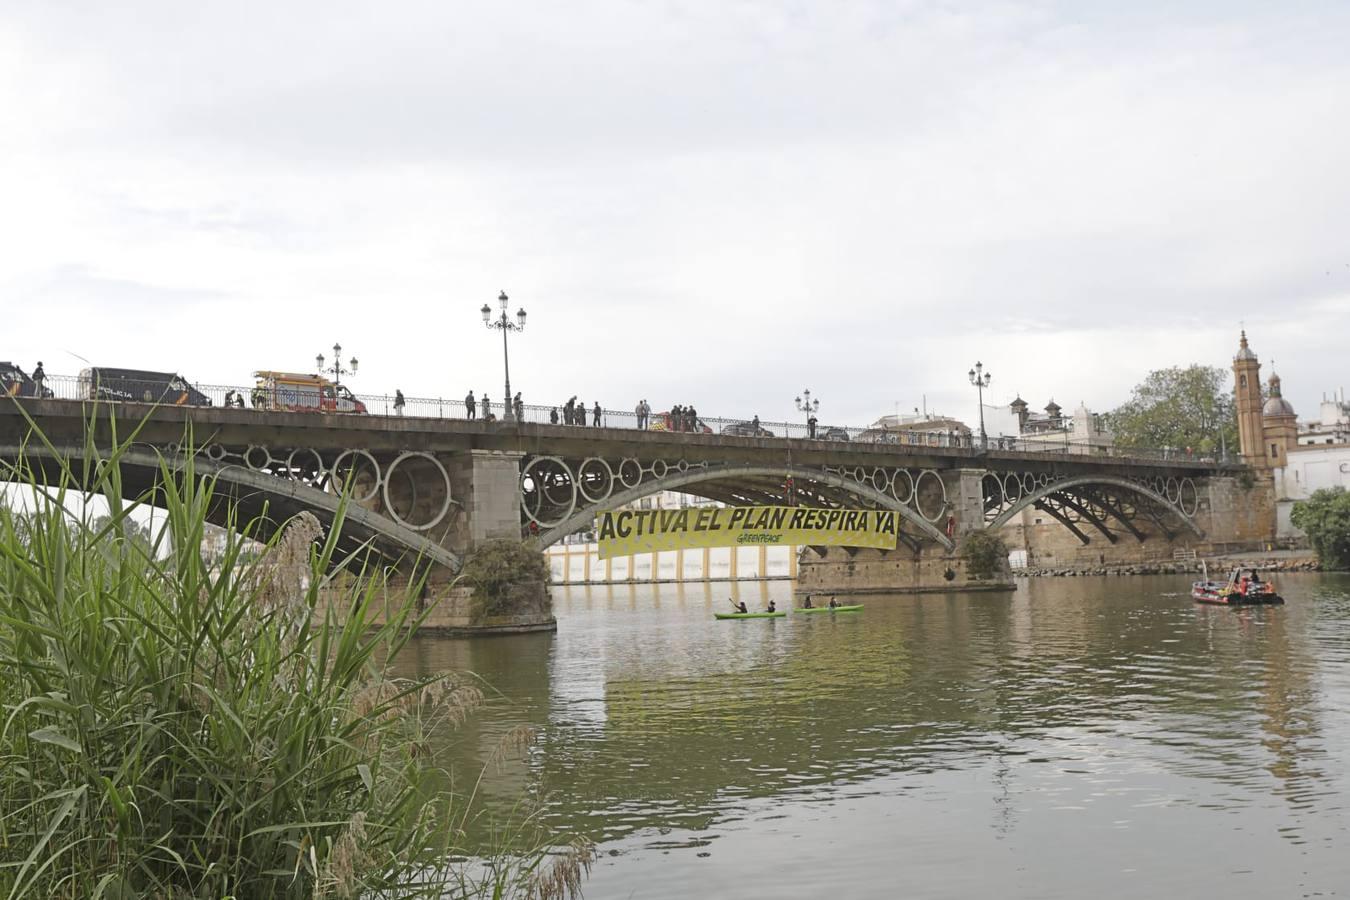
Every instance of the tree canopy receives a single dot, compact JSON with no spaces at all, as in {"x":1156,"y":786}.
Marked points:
{"x":1191,"y":407}
{"x":1325,"y":519}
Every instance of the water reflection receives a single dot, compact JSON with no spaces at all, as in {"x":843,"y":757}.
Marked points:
{"x":1112,"y":703}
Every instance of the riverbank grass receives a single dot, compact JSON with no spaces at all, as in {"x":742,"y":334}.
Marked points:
{"x":176,"y":728}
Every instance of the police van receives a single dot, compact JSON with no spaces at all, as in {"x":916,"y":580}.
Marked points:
{"x":139,"y":386}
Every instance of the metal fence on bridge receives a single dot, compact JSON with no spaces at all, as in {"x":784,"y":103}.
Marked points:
{"x":69,"y":387}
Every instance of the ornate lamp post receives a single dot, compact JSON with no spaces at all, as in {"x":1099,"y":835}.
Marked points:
{"x":337,"y":370}
{"x":809,"y":407}
{"x":504,"y":324}
{"x":980,"y":378}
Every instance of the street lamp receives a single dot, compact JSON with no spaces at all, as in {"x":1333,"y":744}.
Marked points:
{"x":809,"y":407}
{"x":504,"y":324}
{"x":980,"y":378}
{"x":337,"y":369}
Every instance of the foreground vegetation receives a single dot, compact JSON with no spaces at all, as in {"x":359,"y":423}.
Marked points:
{"x":173,"y":728}
{"x":1325,"y":519}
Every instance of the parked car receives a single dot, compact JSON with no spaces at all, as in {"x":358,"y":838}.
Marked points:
{"x":14,"y":382}
{"x":834,"y":434}
{"x":746,"y":429}
{"x":662,"y":422}
{"x":139,"y":386}
{"x":297,"y":392}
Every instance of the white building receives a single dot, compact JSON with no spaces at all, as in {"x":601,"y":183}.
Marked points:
{"x":1332,"y":425}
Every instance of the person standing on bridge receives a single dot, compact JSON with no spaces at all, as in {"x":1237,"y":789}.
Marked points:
{"x":487,"y":407}
{"x":637,"y":411}
{"x":399,"y":402}
{"x":597,"y":414}
{"x":470,"y":406}
{"x":754,"y":425}
{"x":39,"y":381}
{"x":692,"y":415}
{"x":811,"y":426}
{"x":239,"y":400}
{"x":518,"y":406}
{"x":229,"y":398}
{"x":553,"y":416}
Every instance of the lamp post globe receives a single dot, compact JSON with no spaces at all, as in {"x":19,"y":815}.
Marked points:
{"x":805,"y":404}
{"x":503,"y":323}
{"x":980,"y":379}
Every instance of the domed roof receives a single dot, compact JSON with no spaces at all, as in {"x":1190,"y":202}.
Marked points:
{"x":1277,"y":406}
{"x":1244,"y":352}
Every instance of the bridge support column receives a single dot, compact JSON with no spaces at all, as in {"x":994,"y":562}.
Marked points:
{"x":486,"y":485}
{"x":933,"y":569}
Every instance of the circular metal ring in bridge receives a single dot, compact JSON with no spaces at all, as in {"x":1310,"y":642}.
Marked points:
{"x":1173,"y":492}
{"x":1012,"y":487}
{"x":548,"y":493}
{"x":925,"y":495}
{"x":594,"y":470}
{"x":1042,"y":480}
{"x":1028,"y":482}
{"x":630,"y":473}
{"x":991,"y":488}
{"x":215,"y":452}
{"x":359,"y":475}
{"x":908,"y":486}
{"x":420,"y":471}
{"x":294,"y":465}
{"x":661,"y":473}
{"x":251,"y":458}
{"x":1189,"y":497}
{"x":881,"y":480}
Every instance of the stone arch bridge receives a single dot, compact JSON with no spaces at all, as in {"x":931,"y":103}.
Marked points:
{"x":433,"y":489}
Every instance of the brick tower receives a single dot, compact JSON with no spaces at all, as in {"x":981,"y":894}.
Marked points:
{"x":1247,"y":384}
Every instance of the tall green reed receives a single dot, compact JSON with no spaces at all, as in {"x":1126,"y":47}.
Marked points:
{"x":175,"y":727}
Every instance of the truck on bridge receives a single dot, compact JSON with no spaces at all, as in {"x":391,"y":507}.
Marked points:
{"x":295,"y":392}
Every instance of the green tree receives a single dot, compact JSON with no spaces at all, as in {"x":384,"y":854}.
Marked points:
{"x":1191,"y":407}
{"x":1325,"y":518}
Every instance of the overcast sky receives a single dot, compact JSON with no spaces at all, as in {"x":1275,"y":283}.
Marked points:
{"x":717,"y":202}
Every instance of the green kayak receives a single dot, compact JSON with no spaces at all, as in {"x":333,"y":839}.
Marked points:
{"x":754,"y":615}
{"x":857,"y":608}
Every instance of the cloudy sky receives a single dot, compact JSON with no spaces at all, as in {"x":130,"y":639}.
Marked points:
{"x":712,"y":202}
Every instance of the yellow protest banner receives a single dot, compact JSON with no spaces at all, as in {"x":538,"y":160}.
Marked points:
{"x":624,"y":532}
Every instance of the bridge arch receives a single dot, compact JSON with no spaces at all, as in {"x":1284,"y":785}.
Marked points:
{"x":728,"y":472}
{"x":1068,"y":484}
{"x":256,"y":490}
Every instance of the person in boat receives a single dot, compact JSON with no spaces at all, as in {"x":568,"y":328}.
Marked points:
{"x":807,"y":603}
{"x":739,"y":607}
{"x":1254,"y":585}
{"x":772,"y":608}
{"x":834,"y":604}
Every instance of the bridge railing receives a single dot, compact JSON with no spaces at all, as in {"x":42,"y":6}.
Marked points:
{"x":69,"y":387}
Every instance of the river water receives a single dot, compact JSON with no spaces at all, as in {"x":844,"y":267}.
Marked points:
{"x":1082,"y":736}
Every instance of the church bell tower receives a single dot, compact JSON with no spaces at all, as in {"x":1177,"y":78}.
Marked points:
{"x":1247,"y":383}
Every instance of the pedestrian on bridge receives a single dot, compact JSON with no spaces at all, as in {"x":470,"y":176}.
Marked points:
{"x":570,"y":411}
{"x":811,"y":426}
{"x":553,"y":416}
{"x":39,"y":381}
{"x":597,"y":414}
{"x":487,"y":407}
{"x":399,"y":402}
{"x":519,"y":407}
{"x":637,"y":410}
{"x":692,"y":415}
{"x":229,"y":398}
{"x":470,"y":406}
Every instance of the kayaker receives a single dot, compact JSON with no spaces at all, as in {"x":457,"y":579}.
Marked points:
{"x":739,"y":607}
{"x":833,"y":603}
{"x":772,"y":608}
{"x":807,"y":604}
